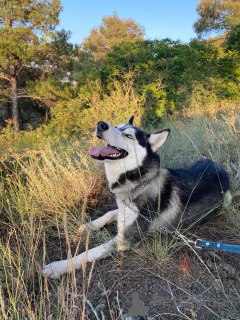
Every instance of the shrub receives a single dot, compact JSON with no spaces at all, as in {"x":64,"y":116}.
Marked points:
{"x":84,"y":112}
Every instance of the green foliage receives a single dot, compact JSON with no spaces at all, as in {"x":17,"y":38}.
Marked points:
{"x":151,"y":65}
{"x":111,"y":32}
{"x":57,"y":55}
{"x":218,"y":41}
{"x":50,"y":91}
{"x":23,"y":25}
{"x":92,"y":105}
{"x":233,"y":41}
{"x":211,"y":93}
{"x":118,"y":72}
{"x":217,"y":15}
{"x":147,"y":60}
{"x":167,"y":73}
{"x":47,"y":173}
{"x":154,"y":101}
{"x":85,"y":68}
{"x":7,"y":134}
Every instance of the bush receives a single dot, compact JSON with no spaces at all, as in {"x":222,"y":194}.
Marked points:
{"x":91,"y":106}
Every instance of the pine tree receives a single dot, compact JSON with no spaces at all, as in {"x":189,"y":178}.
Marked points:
{"x":23,"y":26}
{"x":217,"y":15}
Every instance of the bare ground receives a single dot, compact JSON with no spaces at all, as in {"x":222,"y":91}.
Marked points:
{"x":192,"y":284}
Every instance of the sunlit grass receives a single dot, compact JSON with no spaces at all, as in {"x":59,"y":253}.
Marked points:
{"x":46,"y":194}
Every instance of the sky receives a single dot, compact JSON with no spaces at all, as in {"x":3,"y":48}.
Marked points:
{"x":161,"y":18}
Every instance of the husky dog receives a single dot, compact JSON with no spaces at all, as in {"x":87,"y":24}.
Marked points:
{"x":148,"y":198}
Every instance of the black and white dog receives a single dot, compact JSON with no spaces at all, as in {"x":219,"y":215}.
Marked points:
{"x":148,"y":198}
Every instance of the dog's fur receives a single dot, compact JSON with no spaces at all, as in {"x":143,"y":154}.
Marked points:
{"x":148,"y":199}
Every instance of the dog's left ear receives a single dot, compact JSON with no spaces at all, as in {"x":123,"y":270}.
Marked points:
{"x":131,"y":120}
{"x":157,"y":139}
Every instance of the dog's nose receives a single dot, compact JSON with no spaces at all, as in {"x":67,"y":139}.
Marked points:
{"x":102,"y":126}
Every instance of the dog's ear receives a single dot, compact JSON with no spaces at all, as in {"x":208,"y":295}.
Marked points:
{"x":131,"y":120}
{"x":157,"y":139}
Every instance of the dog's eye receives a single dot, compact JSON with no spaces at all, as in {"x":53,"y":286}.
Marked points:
{"x":129,"y":136}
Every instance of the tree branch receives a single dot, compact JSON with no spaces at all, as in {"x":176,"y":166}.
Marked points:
{"x":5,"y":78}
{"x":17,"y":74}
{"x":25,"y":96}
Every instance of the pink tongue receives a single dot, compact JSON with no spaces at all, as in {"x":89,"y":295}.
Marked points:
{"x":104,"y":151}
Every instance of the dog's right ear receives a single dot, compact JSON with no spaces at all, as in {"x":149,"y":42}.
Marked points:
{"x":157,"y":139}
{"x":131,"y":120}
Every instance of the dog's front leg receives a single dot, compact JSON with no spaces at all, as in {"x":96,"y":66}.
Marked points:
{"x":107,"y":218}
{"x":55,"y":269}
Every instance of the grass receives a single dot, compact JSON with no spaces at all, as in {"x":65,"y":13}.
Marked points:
{"x":46,"y":195}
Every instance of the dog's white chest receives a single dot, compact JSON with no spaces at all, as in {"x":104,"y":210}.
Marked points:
{"x":127,"y":214}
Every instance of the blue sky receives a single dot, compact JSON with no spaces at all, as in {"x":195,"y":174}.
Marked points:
{"x":161,"y":18}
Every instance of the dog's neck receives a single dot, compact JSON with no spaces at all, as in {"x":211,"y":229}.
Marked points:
{"x":122,"y":181}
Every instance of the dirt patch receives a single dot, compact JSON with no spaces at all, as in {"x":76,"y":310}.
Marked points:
{"x":192,"y":285}
{"x":166,"y":294}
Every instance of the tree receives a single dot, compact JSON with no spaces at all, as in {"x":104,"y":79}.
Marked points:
{"x":23,"y":25}
{"x":217,"y":15}
{"x":233,"y":41}
{"x":151,"y":64}
{"x":58,"y":54}
{"x":169,"y":75}
{"x":111,"y":32}
{"x":54,"y":71}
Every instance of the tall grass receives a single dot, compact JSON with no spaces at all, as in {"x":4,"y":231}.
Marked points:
{"x":46,"y":194}
{"x":44,"y":198}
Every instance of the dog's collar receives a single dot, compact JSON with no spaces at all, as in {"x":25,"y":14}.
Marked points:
{"x":143,"y":186}
{"x":129,"y":200}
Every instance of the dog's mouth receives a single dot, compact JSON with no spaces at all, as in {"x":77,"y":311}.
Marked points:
{"x":107,"y":152}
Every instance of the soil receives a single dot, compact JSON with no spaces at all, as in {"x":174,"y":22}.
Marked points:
{"x":191,"y":285}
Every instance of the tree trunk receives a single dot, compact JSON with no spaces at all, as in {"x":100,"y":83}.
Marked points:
{"x":15,"y":109}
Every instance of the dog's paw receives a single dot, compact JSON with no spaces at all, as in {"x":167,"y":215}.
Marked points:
{"x":88,"y":227}
{"x":55,"y":269}
{"x":82,"y":229}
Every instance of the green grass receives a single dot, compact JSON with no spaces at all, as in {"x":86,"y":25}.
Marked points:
{"x":46,"y":194}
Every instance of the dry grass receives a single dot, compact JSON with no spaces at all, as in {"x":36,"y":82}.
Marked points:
{"x":45,"y":196}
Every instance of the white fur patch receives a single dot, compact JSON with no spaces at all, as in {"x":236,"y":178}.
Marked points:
{"x":107,"y":218}
{"x":127,"y":215}
{"x":55,"y":269}
{"x":134,"y":159}
{"x":227,"y":199}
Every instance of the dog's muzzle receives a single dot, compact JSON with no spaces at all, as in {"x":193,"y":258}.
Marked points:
{"x":108,"y":152}
{"x":101,"y":127}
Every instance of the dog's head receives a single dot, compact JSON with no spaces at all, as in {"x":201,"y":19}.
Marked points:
{"x":126,"y":142}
